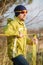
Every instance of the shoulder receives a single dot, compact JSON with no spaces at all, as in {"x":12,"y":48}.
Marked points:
{"x":14,"y":23}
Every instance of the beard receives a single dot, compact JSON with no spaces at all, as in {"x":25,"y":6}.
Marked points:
{"x":23,"y":19}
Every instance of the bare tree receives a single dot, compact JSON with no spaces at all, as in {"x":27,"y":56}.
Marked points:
{"x":5,"y":4}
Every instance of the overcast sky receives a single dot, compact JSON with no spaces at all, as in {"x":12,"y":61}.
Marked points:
{"x":35,"y":15}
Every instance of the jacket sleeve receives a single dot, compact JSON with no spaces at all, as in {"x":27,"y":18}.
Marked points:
{"x":11,"y":29}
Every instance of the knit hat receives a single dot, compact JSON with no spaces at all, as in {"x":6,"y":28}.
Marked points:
{"x":19,"y":8}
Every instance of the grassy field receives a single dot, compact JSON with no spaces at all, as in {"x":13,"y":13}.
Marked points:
{"x":4,"y":60}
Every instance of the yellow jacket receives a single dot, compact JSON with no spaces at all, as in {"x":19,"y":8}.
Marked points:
{"x":16,"y":44}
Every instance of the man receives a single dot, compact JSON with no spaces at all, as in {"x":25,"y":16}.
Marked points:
{"x":17,"y":37}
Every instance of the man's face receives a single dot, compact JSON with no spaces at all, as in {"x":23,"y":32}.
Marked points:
{"x":22,"y":15}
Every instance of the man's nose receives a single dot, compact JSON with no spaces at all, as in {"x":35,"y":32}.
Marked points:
{"x":25,"y":14}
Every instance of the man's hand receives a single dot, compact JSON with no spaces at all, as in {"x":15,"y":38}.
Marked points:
{"x":21,"y":35}
{"x":35,"y":40}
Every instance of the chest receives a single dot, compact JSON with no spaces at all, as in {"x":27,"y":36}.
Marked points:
{"x":22,"y":29}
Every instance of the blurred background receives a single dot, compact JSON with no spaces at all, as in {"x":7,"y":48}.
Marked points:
{"x":33,"y":22}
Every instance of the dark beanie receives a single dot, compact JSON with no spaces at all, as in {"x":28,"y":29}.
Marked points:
{"x":19,"y":8}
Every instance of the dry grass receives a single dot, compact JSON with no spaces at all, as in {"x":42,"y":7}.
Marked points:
{"x":4,"y":60}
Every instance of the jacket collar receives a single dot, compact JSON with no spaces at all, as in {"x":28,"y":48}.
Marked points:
{"x":19,"y":21}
